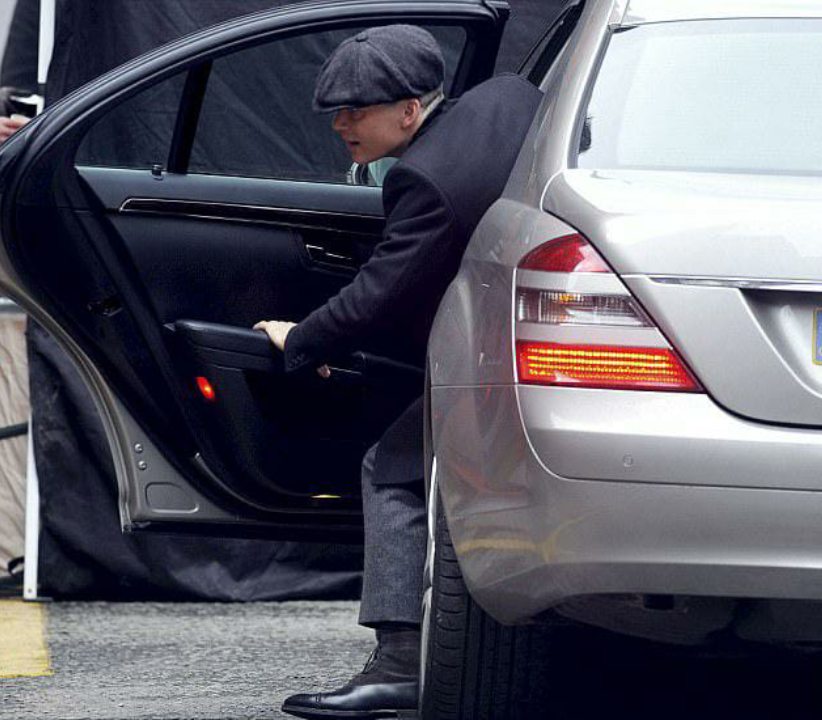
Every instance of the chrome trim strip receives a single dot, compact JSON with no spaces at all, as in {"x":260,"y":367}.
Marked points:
{"x":583,"y":282}
{"x":236,"y":212}
{"x":7,"y":305}
{"x":808,"y":286}
{"x":127,"y":206}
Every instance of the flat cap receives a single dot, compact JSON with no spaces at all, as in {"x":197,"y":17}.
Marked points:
{"x":379,"y":65}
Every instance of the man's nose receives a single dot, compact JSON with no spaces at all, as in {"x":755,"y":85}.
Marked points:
{"x":341,"y":120}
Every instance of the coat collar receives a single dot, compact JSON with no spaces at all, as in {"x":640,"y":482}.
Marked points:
{"x":441,"y":109}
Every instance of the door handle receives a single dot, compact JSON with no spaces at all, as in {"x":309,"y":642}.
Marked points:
{"x":320,"y":254}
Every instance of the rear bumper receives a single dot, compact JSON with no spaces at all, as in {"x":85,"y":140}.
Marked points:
{"x":652,"y":500}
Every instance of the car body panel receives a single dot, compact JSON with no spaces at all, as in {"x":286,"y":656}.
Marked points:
{"x":753,"y":349}
{"x":695,"y":224}
{"x":651,"y":437}
{"x":546,"y":148}
{"x":482,"y":294}
{"x":529,"y":540}
{"x":649,"y":11}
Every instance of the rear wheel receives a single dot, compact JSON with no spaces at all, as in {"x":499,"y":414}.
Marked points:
{"x":472,"y":666}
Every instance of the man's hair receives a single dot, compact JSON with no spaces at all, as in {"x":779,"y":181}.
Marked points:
{"x":431,"y":100}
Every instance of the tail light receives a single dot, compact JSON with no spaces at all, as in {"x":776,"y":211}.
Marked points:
{"x":578,"y":325}
{"x":571,"y":253}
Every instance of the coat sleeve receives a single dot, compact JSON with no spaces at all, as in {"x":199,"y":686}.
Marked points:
{"x":405,"y":263}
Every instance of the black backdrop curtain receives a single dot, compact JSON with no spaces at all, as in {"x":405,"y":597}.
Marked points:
{"x":19,"y":66}
{"x":82,"y":551}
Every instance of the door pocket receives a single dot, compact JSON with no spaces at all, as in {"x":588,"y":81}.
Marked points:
{"x":260,"y":429}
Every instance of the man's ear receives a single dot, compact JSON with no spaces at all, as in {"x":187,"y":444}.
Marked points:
{"x":411,"y":112}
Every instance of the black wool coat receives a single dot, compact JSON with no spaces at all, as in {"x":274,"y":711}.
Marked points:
{"x":434,"y":197}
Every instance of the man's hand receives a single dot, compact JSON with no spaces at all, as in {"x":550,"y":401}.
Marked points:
{"x":10,"y":125}
{"x":277,"y":331}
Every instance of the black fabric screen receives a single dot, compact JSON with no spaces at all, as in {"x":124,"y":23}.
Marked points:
{"x":19,"y":67}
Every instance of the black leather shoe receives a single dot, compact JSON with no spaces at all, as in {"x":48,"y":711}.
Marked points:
{"x":386,"y":688}
{"x":381,"y":700}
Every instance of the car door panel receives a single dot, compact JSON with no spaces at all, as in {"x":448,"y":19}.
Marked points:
{"x":201,"y":254}
{"x":299,"y":435}
{"x":157,"y":276}
{"x":263,"y":438}
{"x":232,"y":264}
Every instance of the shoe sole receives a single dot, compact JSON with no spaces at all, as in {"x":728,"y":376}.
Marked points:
{"x":353,"y":714}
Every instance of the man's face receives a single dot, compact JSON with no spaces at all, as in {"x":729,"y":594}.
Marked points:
{"x":375,"y":131}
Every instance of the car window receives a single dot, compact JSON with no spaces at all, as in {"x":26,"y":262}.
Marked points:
{"x":256,"y":118}
{"x":137,"y":134}
{"x":371,"y":174}
{"x":261,"y":124}
{"x":711,"y":96}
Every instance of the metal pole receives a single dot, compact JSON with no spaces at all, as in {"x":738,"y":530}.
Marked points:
{"x":46,"y":47}
{"x":32,"y":542}
{"x":32,"y":549}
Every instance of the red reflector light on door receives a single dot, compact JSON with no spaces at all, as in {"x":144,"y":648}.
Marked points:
{"x":595,"y":366}
{"x":206,"y":389}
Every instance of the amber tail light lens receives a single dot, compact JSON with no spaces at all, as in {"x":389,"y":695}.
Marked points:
{"x":567,"y":294}
{"x":596,"y":366}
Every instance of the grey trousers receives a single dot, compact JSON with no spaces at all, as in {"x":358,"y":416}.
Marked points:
{"x":396,"y":537}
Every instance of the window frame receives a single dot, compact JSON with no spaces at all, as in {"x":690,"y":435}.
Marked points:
{"x":191,"y":56}
{"x":546,"y":51}
{"x":197,"y":77}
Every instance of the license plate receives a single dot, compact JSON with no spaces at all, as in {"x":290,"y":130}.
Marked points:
{"x":817,"y":336}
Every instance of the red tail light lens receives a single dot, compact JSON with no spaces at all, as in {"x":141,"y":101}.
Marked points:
{"x":625,"y":368}
{"x":571,"y":253}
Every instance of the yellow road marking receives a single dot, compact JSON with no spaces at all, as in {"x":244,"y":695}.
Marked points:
{"x":23,"y":651}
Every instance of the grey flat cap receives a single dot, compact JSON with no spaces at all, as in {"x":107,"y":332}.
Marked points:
{"x":380,"y":65}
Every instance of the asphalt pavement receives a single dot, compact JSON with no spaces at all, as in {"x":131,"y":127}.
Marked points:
{"x":209,"y":661}
{"x":198,"y":661}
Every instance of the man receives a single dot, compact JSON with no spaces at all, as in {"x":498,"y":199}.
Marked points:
{"x":10,"y":124}
{"x":385,"y":87}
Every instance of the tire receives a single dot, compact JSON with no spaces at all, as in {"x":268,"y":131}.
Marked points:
{"x":474,"y":668}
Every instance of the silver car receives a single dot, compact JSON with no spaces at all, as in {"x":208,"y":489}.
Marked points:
{"x":626,"y":375}
{"x":625,"y":379}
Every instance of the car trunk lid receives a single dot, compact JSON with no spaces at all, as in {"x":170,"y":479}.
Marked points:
{"x":730,"y":268}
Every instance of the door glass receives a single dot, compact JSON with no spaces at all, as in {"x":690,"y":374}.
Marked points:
{"x":137,"y":133}
{"x":378,"y":169}
{"x":257,"y":119}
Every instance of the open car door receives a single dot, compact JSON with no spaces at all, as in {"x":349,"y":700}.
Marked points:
{"x":150,"y":218}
